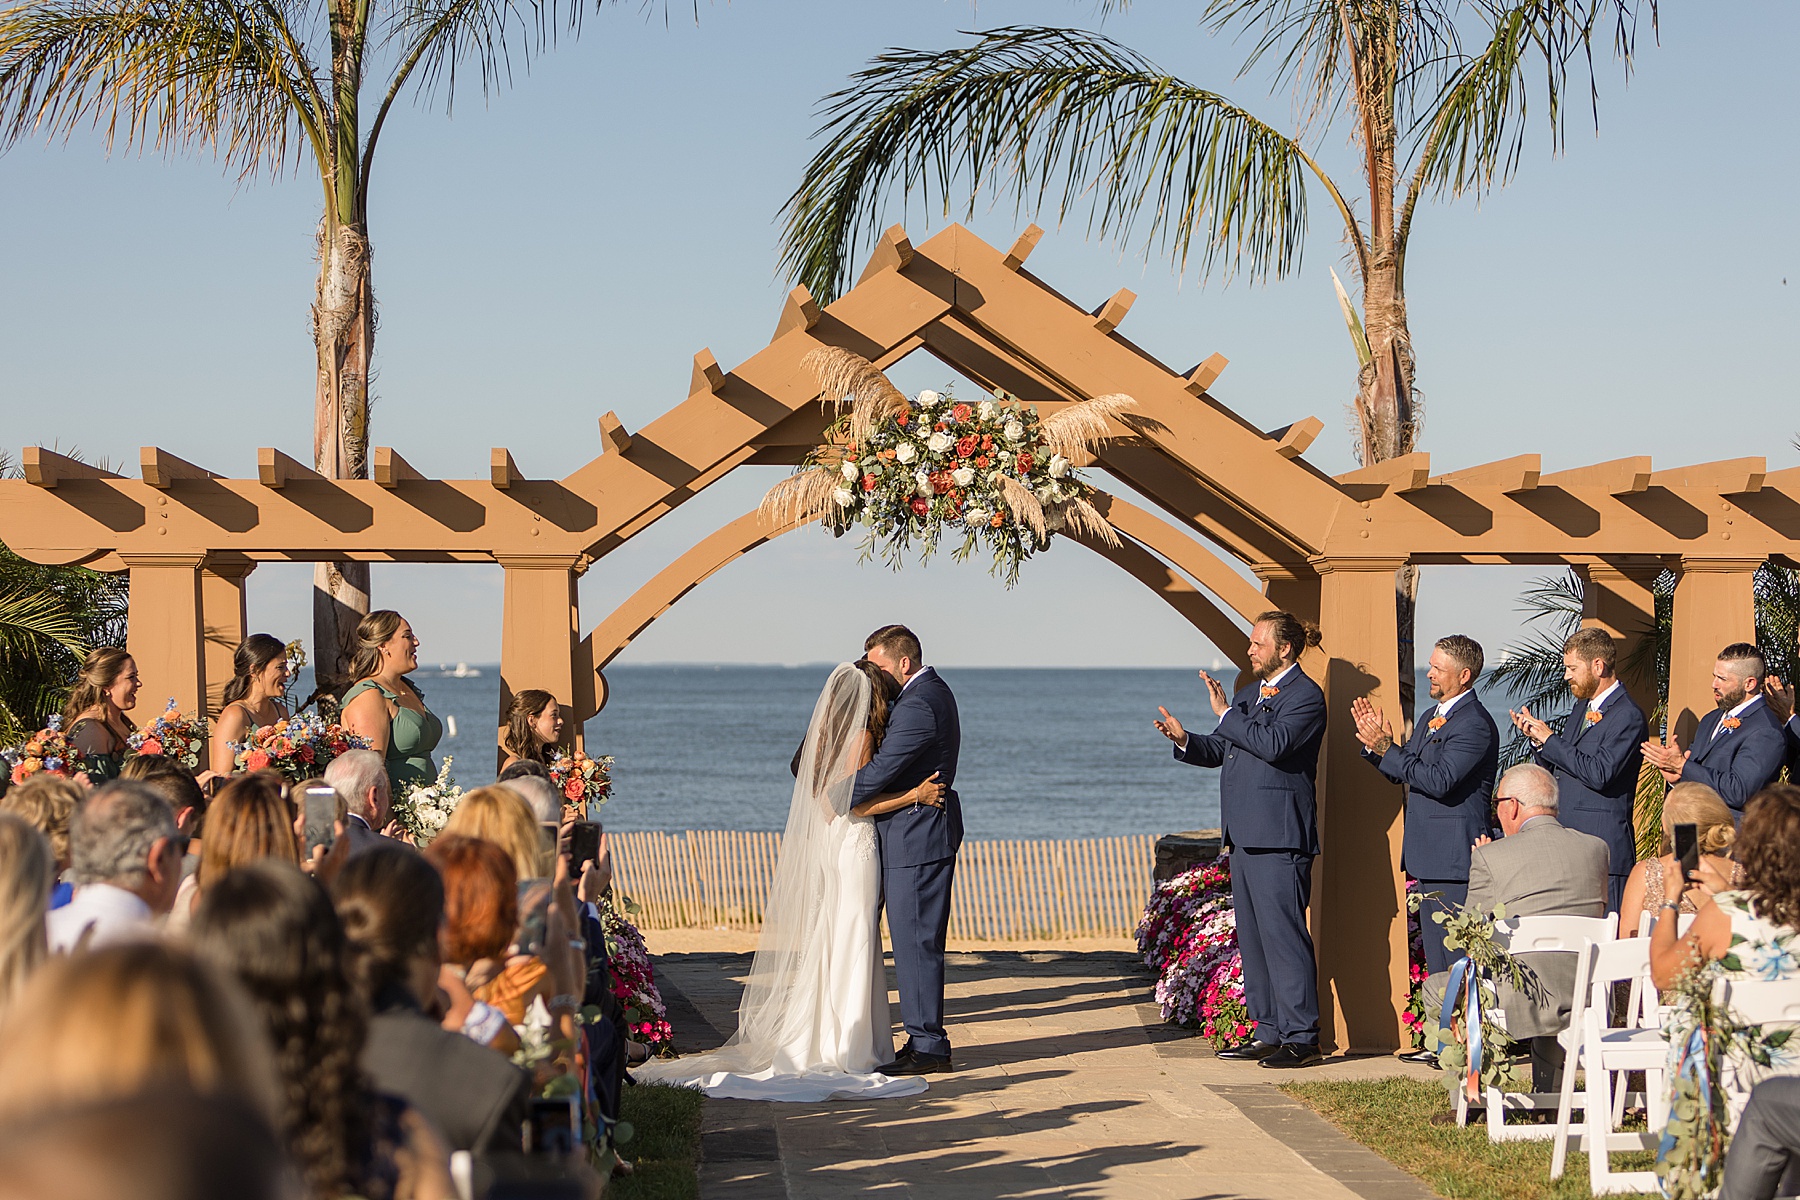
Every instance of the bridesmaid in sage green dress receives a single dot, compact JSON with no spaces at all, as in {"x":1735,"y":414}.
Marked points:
{"x":94,"y":719}
{"x":384,"y":706}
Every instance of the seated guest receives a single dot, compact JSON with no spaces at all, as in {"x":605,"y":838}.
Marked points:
{"x":127,"y":868}
{"x":26,"y":872}
{"x":1597,"y":753}
{"x":500,"y":815}
{"x":522,"y":767}
{"x":275,"y":929}
{"x":1650,"y":883}
{"x":174,"y":783}
{"x":1764,"y":1159}
{"x":539,"y":793}
{"x":256,"y":695}
{"x":391,"y":902}
{"x":481,"y":910}
{"x":48,"y":802}
{"x":250,"y":820}
{"x":1739,"y":746}
{"x":361,"y":780}
{"x":117,"y":1021}
{"x":164,"y":1144}
{"x":1538,"y":869}
{"x":534,"y":727}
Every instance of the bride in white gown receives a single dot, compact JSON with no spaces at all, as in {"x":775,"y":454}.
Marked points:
{"x":813,"y":1023}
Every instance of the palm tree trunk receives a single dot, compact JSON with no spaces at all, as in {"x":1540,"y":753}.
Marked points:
{"x":344,"y":334}
{"x":1389,"y":424}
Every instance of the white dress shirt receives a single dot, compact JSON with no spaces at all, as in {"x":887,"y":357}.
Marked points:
{"x":1736,"y":712}
{"x":1597,"y":701}
{"x":115,"y":914}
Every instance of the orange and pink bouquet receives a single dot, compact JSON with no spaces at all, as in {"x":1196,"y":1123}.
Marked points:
{"x":585,"y":783}
{"x":300,"y":747}
{"x":173,"y":736}
{"x":46,"y":750}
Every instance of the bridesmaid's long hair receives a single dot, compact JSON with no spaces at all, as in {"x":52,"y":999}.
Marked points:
{"x":252,"y":658}
{"x":520,"y":740}
{"x":884,"y":691}
{"x":372,"y":632}
{"x":98,"y":671}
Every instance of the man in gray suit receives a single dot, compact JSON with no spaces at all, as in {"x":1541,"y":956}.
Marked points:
{"x":1539,"y":869}
{"x":360,"y":779}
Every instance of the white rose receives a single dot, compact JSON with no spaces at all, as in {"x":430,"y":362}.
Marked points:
{"x":1059,"y":466}
{"x":987,"y":409}
{"x":1014,"y":431}
{"x":964,"y":476}
{"x":906,"y":452}
{"x":977,"y":516}
{"x":851,"y":470}
{"x":844,"y":497}
{"x":1047,"y":493}
{"x":929,"y":399}
{"x":939,"y":442}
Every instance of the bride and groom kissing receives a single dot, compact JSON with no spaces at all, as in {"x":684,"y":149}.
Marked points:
{"x":874,"y":821}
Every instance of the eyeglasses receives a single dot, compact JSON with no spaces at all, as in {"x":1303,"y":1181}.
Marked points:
{"x":1503,"y":799}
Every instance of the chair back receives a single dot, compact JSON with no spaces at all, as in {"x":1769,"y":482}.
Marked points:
{"x":1760,"y":1001}
{"x":1542,"y":935}
{"x":1608,"y":963}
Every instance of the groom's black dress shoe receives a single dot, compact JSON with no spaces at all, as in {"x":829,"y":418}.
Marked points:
{"x":1248,"y":1050}
{"x":903,"y":1056}
{"x":915,"y":1063}
{"x":1294,"y":1054}
{"x":1424,"y":1058}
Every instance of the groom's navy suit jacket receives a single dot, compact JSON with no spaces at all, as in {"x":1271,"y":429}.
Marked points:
{"x":1449,"y":775}
{"x":1737,"y":763}
{"x":924,"y":735}
{"x":1269,"y":752}
{"x":1596,"y":766}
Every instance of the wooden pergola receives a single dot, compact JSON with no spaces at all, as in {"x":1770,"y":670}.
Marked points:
{"x":1228,"y":496}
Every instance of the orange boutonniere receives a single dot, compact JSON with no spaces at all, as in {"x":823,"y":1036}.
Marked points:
{"x":1593,"y":717}
{"x":1269,"y":690}
{"x":1437,"y":723}
{"x":1730,"y":723}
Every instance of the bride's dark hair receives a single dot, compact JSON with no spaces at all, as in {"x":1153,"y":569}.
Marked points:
{"x":881,"y":702}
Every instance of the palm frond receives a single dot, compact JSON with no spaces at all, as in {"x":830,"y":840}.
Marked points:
{"x":848,"y":379}
{"x":804,"y":496}
{"x":1024,"y":506}
{"x":1075,"y":429}
{"x":1532,"y":674}
{"x":1026,"y":106}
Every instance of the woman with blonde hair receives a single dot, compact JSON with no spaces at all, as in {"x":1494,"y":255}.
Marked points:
{"x":1649,"y":883}
{"x":94,"y":718}
{"x":385,"y":706}
{"x":128,"y":1018}
{"x":501,"y":816}
{"x":26,"y":873}
{"x":47,"y":803}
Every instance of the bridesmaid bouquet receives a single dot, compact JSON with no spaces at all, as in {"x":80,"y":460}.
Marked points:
{"x":300,"y":747}
{"x":584,"y":782}
{"x":423,"y":809}
{"x":173,"y":736}
{"x":47,"y":750}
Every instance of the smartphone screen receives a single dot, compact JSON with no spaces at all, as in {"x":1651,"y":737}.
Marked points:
{"x":584,"y":844}
{"x":551,"y":1129}
{"x":534,"y":903}
{"x":320,"y":804}
{"x":1687,"y":850}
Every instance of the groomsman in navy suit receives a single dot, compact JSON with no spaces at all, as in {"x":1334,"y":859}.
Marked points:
{"x":1739,"y":747}
{"x":1268,"y":741}
{"x":1597,"y":753}
{"x":1448,"y":766}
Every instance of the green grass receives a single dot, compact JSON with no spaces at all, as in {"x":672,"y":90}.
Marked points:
{"x":1393,"y":1118}
{"x":664,"y":1145}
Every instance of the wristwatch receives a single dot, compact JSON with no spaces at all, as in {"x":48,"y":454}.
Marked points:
{"x":1674,"y":904}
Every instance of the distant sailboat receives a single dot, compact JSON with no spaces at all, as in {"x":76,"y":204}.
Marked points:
{"x":461,"y":670}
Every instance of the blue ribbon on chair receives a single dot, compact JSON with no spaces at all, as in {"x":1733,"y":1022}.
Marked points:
{"x":1463,"y":974}
{"x":1690,"y":1064}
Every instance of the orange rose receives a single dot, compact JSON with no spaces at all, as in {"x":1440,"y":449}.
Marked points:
{"x":150,"y":746}
{"x":572,"y":790}
{"x":258,"y":760}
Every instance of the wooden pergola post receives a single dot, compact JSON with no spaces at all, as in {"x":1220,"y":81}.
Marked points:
{"x":1715,"y":605}
{"x":165,"y":631}
{"x":540,"y":633}
{"x":1617,"y":596}
{"x":1358,"y":898}
{"x":224,"y":621}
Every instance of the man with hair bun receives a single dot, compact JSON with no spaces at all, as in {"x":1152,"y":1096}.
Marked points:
{"x":1739,"y":747}
{"x":1267,"y":744}
{"x":1597,"y":753}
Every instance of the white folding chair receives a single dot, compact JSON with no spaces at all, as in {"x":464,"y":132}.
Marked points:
{"x":1753,"y":1002}
{"x":1607,"y":1052}
{"x":1535,"y":935}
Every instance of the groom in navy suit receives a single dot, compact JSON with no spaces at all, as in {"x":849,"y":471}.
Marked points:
{"x":1739,"y":747}
{"x":1268,"y":741}
{"x":918,"y":844}
{"x":1448,"y":766}
{"x":1597,"y":753}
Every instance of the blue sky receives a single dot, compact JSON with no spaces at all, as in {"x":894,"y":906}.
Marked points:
{"x":564,"y":248}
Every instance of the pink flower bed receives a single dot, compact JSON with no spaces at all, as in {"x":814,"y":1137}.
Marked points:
{"x":1188,"y":936}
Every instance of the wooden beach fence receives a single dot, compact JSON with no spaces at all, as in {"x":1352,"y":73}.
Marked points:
{"x":1005,"y":891}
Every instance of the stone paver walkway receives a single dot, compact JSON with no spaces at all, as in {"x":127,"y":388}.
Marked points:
{"x":1067,"y":1084}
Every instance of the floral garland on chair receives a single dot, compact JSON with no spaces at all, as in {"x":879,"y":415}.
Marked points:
{"x":1469,"y":1039}
{"x":1188,"y":936}
{"x":992,"y":471}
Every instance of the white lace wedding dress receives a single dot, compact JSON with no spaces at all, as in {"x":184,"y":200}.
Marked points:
{"x":813,"y":1023}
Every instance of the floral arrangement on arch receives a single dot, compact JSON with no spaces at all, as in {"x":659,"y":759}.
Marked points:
{"x":1188,"y":936}
{"x":47,"y":750}
{"x":299,"y":747}
{"x":173,"y":736}
{"x":633,"y":976}
{"x":992,"y":472}
{"x":583,"y":782}
{"x":423,"y":809}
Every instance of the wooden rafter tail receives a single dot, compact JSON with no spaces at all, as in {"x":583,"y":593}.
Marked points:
{"x":1728,"y":477}
{"x":1111,"y":315}
{"x":1293,"y":441}
{"x":799,"y":311}
{"x":708,"y":376}
{"x":1022,"y":248}
{"x":1407,"y":473}
{"x":1619,"y":476}
{"x":1205,"y":374}
{"x":502,"y":470}
{"x":613,"y":433}
{"x":160,"y":469}
{"x":46,"y":468}
{"x":893,"y":252}
{"x":274,"y":469}
{"x":1517,"y":474}
{"x":391,"y":470}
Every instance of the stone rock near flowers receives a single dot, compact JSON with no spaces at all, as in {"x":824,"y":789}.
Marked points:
{"x":1179,"y":853}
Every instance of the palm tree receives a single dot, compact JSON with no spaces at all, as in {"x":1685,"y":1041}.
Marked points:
{"x":267,"y":85}
{"x":1435,"y":93}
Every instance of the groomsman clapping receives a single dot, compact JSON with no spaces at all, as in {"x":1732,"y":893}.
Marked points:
{"x":1739,"y":747}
